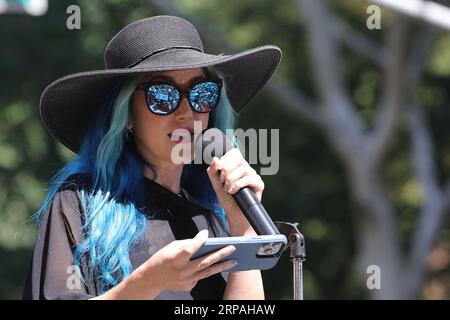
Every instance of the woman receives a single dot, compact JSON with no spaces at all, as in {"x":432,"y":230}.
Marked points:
{"x":122,"y":219}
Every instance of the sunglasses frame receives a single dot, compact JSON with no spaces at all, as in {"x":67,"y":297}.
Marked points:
{"x":183,"y":92}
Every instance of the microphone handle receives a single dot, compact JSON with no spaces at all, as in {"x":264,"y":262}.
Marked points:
{"x":254,"y":211}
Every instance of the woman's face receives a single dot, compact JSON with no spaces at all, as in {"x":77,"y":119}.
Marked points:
{"x":153,"y":133}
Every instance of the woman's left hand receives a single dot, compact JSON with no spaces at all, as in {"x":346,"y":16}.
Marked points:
{"x":235,"y":174}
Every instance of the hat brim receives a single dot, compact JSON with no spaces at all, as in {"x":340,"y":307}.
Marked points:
{"x":69,"y":104}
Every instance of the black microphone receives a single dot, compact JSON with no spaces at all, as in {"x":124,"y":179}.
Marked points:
{"x":213,"y":143}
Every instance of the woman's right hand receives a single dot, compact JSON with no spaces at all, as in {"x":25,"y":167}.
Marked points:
{"x":170,"y":268}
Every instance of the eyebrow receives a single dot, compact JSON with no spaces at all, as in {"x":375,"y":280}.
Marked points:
{"x":164,"y":77}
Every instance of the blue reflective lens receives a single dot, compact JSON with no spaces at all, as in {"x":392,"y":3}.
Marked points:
{"x":204,"y":96}
{"x":162,"y":98}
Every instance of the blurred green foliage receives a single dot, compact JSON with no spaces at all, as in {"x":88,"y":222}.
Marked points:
{"x":310,"y":187}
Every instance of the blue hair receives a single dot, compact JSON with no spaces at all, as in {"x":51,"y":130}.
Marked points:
{"x":112,"y":187}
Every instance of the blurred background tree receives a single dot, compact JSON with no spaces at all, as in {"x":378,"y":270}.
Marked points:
{"x":363,"y":118}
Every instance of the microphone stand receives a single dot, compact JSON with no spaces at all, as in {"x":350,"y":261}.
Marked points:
{"x":296,"y":242}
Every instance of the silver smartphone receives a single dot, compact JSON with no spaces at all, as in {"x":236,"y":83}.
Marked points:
{"x":252,"y":252}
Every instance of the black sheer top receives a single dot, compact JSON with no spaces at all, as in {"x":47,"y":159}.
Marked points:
{"x":177,"y":217}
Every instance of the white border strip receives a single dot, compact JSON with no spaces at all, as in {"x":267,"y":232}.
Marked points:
{"x":428,"y":11}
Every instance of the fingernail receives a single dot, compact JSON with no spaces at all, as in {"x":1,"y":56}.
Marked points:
{"x":221,"y":178}
{"x":234,"y":262}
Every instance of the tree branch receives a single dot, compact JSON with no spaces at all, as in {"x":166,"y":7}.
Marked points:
{"x":294,"y":100}
{"x":324,"y":50}
{"x":434,"y":203}
{"x":344,"y":127}
{"x":388,"y":115}
{"x":417,"y":62}
{"x":359,"y":42}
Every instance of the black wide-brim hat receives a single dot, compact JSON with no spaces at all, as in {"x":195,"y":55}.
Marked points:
{"x":160,"y":43}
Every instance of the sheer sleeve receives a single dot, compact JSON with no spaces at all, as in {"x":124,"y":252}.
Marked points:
{"x":52,"y":273}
